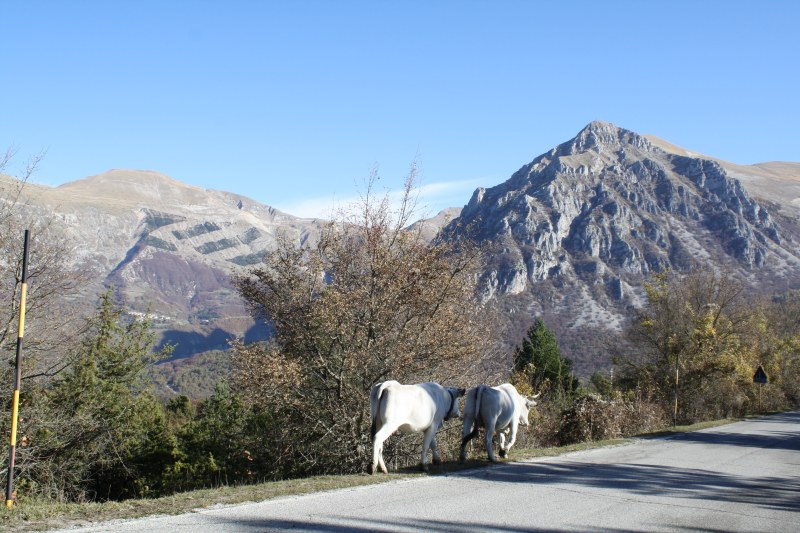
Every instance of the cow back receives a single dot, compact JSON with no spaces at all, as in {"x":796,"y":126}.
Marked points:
{"x":412,"y":408}
{"x":500,"y":403}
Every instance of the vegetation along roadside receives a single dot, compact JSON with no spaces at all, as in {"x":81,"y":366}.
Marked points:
{"x":40,"y":515}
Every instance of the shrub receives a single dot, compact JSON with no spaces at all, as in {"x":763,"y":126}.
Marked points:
{"x":590,"y":418}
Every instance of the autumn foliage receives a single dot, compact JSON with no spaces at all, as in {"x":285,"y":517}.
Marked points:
{"x":369,"y":301}
{"x":702,"y":338}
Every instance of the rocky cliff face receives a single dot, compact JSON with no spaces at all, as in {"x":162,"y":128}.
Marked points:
{"x":580,"y":227}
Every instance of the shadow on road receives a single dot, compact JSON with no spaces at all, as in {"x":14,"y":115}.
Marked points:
{"x":349,"y":524}
{"x":768,"y":492}
{"x":778,"y":493}
{"x":352,"y":525}
{"x":781,"y":441}
{"x":784,"y":440}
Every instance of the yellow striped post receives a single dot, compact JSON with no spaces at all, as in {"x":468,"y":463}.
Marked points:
{"x":677,"y":378}
{"x":15,"y":406}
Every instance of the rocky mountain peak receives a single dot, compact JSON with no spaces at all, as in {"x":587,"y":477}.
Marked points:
{"x":602,"y":211}
{"x":577,"y":231}
{"x":601,"y":136}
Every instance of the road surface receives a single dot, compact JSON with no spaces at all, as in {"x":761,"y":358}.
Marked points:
{"x":740,"y":477}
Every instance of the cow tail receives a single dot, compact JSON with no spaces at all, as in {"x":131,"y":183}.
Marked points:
{"x":476,"y":413}
{"x":375,"y":406}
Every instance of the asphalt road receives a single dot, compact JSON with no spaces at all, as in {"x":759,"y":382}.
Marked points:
{"x":740,"y":477}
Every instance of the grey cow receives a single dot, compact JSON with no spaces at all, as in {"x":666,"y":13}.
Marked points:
{"x":498,"y":409}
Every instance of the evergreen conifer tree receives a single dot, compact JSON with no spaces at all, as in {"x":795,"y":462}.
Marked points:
{"x":539,"y":357}
{"x":105,"y":428}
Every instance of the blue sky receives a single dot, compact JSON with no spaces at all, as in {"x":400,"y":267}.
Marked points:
{"x":292,"y":103}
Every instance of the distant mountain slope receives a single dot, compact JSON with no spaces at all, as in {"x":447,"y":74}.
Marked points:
{"x":580,"y":227}
{"x":430,"y":227}
{"x":775,"y":182}
{"x":170,"y":247}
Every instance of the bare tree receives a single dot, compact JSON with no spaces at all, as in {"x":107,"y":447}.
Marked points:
{"x":370,"y":301}
{"x":50,"y":329}
{"x":51,"y":280}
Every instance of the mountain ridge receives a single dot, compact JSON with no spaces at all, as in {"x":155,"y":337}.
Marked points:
{"x":579,"y":229}
{"x":777,"y":182}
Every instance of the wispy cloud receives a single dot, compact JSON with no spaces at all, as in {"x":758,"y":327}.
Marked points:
{"x":431,"y":198}
{"x":320,"y":207}
{"x":443,"y":194}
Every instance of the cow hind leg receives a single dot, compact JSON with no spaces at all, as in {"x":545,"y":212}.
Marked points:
{"x":464,"y":441}
{"x":377,"y":448}
{"x":489,"y":436}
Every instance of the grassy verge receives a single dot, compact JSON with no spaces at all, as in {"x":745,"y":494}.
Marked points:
{"x":39,"y":515}
{"x":685,"y":429}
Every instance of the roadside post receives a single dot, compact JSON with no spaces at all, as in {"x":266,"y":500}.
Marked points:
{"x":15,"y":405}
{"x":760,"y":377}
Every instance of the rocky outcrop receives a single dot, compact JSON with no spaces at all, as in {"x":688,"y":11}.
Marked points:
{"x":609,"y":194}
{"x":599,"y":213}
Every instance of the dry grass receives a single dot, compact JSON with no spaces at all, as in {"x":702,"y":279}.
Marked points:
{"x":39,"y":515}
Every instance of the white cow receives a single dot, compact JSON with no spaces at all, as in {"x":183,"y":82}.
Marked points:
{"x":418,"y":408}
{"x":497,"y":409}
